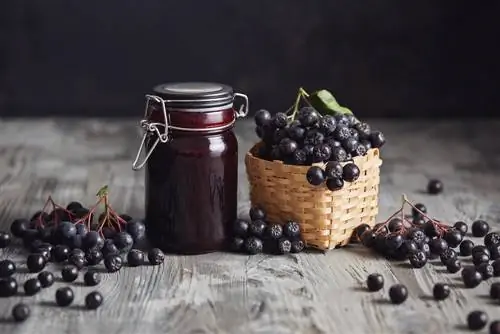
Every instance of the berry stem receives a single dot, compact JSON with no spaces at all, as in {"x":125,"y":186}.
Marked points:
{"x":301,"y":95}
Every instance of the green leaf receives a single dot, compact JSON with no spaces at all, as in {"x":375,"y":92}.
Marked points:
{"x":103,"y":191}
{"x":325,"y":103}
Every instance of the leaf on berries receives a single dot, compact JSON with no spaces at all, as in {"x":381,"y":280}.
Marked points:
{"x":326,"y":104}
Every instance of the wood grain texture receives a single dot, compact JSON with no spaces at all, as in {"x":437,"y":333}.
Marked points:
{"x":226,"y":293}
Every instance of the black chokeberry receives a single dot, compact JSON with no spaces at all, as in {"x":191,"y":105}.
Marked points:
{"x":343,"y":120}
{"x":359,"y":230}
{"x":93,"y":257}
{"x":257,"y":228}
{"x":480,"y":249}
{"x":91,"y":278}
{"x":69,"y":273}
{"x":438,"y":246}
{"x":20,"y":312}
{"x":394,"y":241}
{"x":333,"y":170}
{"x":308,"y":116}
{"x":495,"y":290}
{"x":350,"y":144}
{"x":93,"y":300}
{"x":453,"y":238}
{"x":407,"y":248}
{"x":441,"y":291}
{"x":156,"y":256}
{"x":496,"y":267}
{"x":19,"y":226}
{"x":435,"y":187}
{"x":471,"y":277}
{"x":321,"y":152}
{"x":275,"y":231}
{"x":462,"y":227}
{"x":240,"y":228}
{"x":299,"y":157}
{"x":284,"y":246}
{"x":262,"y":117}
{"x":32,"y":286}
{"x":418,"y":210}
{"x":65,"y":231}
{"x":109,"y":248}
{"x":94,"y":240}
{"x":327,"y":124}
{"x":297,"y":246}
{"x":491,"y":239}
{"x":430,"y":229}
{"x":123,"y":241}
{"x":313,"y":137}
{"x":368,"y":239}
{"x":4,"y":239}
{"x":35,"y":262}
{"x":257,"y":213}
{"x":418,"y":221}
{"x":280,"y":120}
{"x":338,"y":154}
{"x":135,"y":258}
{"x":236,"y":244}
{"x":398,"y":293}
{"x":46,"y":279}
{"x":253,"y":245}
{"x":377,"y":139}
{"x":395,"y":225}
{"x":363,"y":130}
{"x":137,"y":230}
{"x":477,"y":320}
{"x":287,"y":146}
{"x":478,"y":258}
{"x":334,"y":184}
{"x":495,"y":327}
{"x":7,"y":268}
{"x":416,"y":235}
{"x":486,"y":270}
{"x":453,"y":266}
{"x":291,"y":229}
{"x":8,"y":287}
{"x":296,"y":132}
{"x":447,"y":255}
{"x":375,"y":282}
{"x":73,"y":206}
{"x":480,"y":228}
{"x":60,"y":253}
{"x":418,"y":259}
{"x":64,"y":296}
{"x":350,"y":172}
{"x":77,"y":261}
{"x":466,"y":247}
{"x":113,"y":263}
{"x":315,"y":176}
{"x":341,"y":133}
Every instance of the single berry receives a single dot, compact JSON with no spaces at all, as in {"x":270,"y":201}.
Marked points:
{"x":240,"y":228}
{"x":69,"y":273}
{"x":480,"y":228}
{"x":375,"y":282}
{"x":8,"y":287}
{"x":18,"y":227}
{"x":438,"y":246}
{"x":93,"y":240}
{"x":495,"y":252}
{"x":477,"y":320}
{"x":43,"y":252}
{"x":359,"y":230}
{"x":91,"y":278}
{"x":495,"y":290}
{"x":156,"y":256}
{"x":486,"y":270}
{"x":350,"y":172}
{"x":315,"y":176}
{"x":416,"y":235}
{"x":73,"y":206}
{"x":60,"y":253}
{"x":65,"y":231}
{"x":291,"y":229}
{"x":419,"y":221}
{"x":393,"y":241}
{"x":478,"y":258}
{"x":93,"y":257}
{"x":4,"y":239}
{"x":93,"y":300}
{"x":46,"y":279}
{"x":20,"y":312}
{"x":447,"y":255}
{"x":77,"y":261}
{"x":466,"y":248}
{"x":377,"y":139}
{"x":341,"y":133}
{"x":495,"y":327}
{"x":333,"y":170}
{"x":395,"y":225}
{"x":418,"y":259}
{"x":350,"y":144}
{"x":262,"y":117}
{"x":297,"y":246}
{"x":435,"y":187}
{"x":453,"y":266}
{"x":368,"y":239}
{"x":126,"y":217}
{"x":407,"y":248}
{"x":137,"y":230}
{"x":363,"y":130}
{"x":297,"y":133}
{"x":313,"y":137}
{"x":453,"y":238}
{"x":462,"y":227}
{"x":275,"y":231}
{"x":113,"y":263}
{"x":492,"y":239}
{"x":441,"y":291}
{"x":135,"y":258}
{"x":334,"y":184}
{"x":123,"y":241}
{"x":471,"y":277}
{"x":398,"y":293}
{"x":64,"y":296}
{"x":257,"y":213}
{"x":284,"y":246}
{"x":109,"y":248}
{"x":418,"y":209}
{"x":308,"y":116}
{"x":481,"y":249}
{"x":299,"y":157}
{"x":321,"y":152}
{"x":253,"y":245}
{"x":287,"y":146}
{"x":257,"y":228}
{"x":32,"y":286}
{"x":7,"y":268}
{"x":35,"y":263}
{"x":343,"y":120}
{"x":237,"y":244}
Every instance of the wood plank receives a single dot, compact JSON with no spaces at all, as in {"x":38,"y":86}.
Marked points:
{"x":226,"y":293}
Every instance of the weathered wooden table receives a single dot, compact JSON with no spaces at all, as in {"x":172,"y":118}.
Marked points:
{"x":226,"y":293}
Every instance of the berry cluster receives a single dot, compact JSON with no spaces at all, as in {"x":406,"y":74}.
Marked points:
{"x":417,"y":238}
{"x":257,"y":235}
{"x":72,"y":237}
{"x":308,"y":137}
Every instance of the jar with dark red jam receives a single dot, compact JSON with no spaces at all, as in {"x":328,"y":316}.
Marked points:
{"x":191,"y":162}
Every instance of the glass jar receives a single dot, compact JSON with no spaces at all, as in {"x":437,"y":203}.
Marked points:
{"x":191,"y":165}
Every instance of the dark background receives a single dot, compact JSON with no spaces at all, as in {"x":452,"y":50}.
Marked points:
{"x":379,"y":57}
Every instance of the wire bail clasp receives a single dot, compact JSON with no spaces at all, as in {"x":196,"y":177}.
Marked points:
{"x":244,"y":108}
{"x":151,"y":128}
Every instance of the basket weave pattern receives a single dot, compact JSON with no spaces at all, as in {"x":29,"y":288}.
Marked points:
{"x":327,"y":218}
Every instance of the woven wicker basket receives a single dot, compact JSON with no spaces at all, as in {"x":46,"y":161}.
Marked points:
{"x":327,"y":218}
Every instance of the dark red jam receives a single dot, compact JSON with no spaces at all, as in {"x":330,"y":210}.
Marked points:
{"x":191,"y":176}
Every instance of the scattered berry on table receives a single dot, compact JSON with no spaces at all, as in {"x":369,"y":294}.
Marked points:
{"x":64,"y":296}
{"x":297,"y":246}
{"x":113,"y":263}
{"x":479,"y":258}
{"x":448,"y":255}
{"x":284,"y":246}
{"x":93,"y":257}
{"x":32,"y":286}
{"x":135,"y":258}
{"x":495,"y":327}
{"x":240,"y":228}
{"x":315,"y":176}
{"x":471,"y":277}
{"x":375,"y":282}
{"x":491,"y":239}
{"x":480,"y":249}
{"x":93,"y":300}
{"x":156,"y":256}
{"x":398,"y":293}
{"x":60,"y":253}
{"x":77,"y":261}
{"x":466,"y":247}
{"x":19,"y":227}
{"x":5,"y":239}
{"x":441,"y":291}
{"x":8,"y":287}
{"x":480,"y":228}
{"x":7,"y":268}
{"x":253,"y":245}
{"x":291,"y":229}
{"x":275,"y":231}
{"x":435,"y":187}
{"x":418,"y":259}
{"x":453,"y":238}
{"x":486,"y":270}
{"x":46,"y":279}
{"x":69,"y":273}
{"x":91,"y":278}
{"x":461,"y":227}
{"x":495,"y":290}
{"x":438,"y":246}
{"x":257,"y":228}
{"x":35,"y":262}
{"x":453,"y":266}
{"x":477,"y":320}
{"x":20,"y":312}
